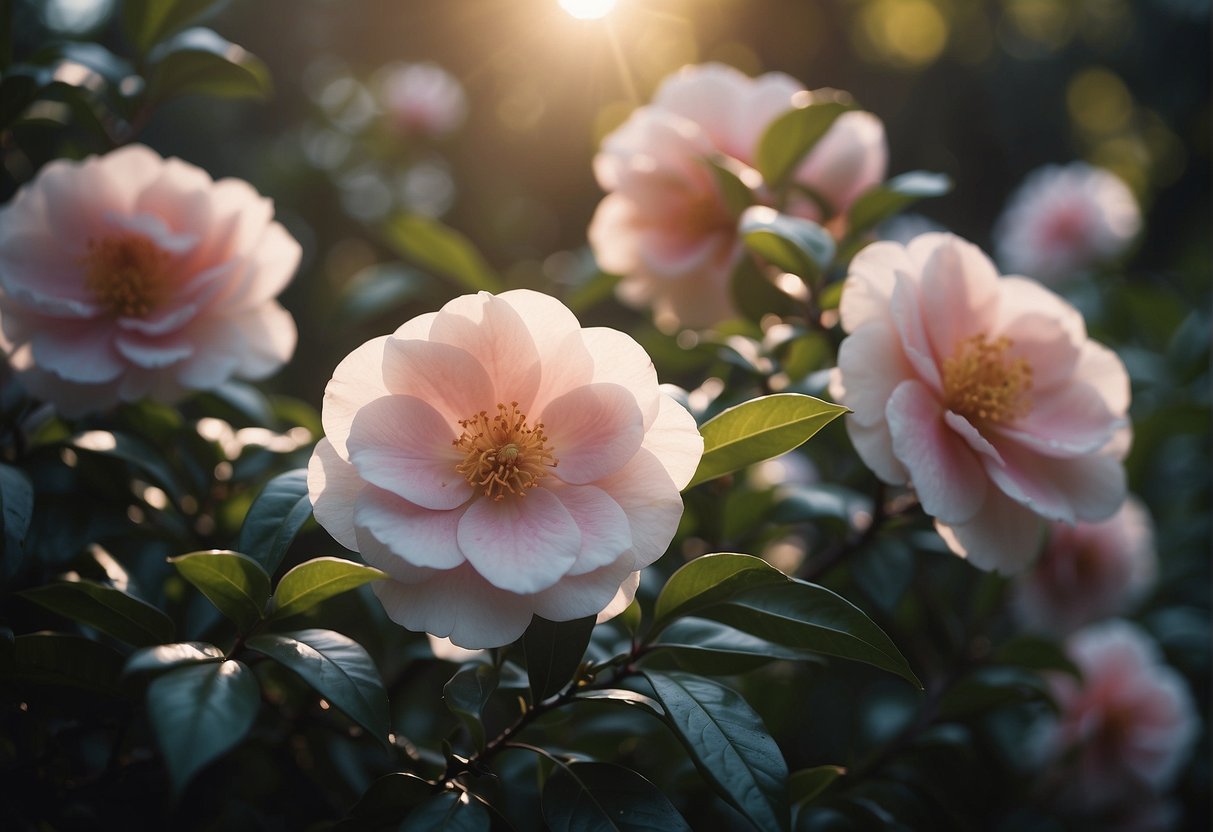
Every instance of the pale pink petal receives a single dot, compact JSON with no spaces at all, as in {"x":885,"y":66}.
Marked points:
{"x":457,"y":604}
{"x":605,"y":534}
{"x":333,"y":486}
{"x":356,"y":381}
{"x":272,"y":264}
{"x":650,"y":499}
{"x":449,"y":378}
{"x":1021,"y":296}
{"x":403,"y":445}
{"x":594,"y":430}
{"x":152,"y":353}
{"x":674,"y":439}
{"x":1072,"y":421}
{"x":613,"y":234}
{"x":269,"y":335}
{"x":869,"y":287}
{"x":909,"y":318}
{"x":622,"y":600}
{"x":416,"y":328}
{"x":380,"y":555}
{"x":1102,"y":368}
{"x":971,"y":435}
{"x":1047,"y":345}
{"x":961,"y":284}
{"x":578,"y":596}
{"x":490,"y":330}
{"x":872,"y":364}
{"x":1083,"y":488}
{"x":618,"y":359}
{"x":874,"y":445}
{"x":849,"y":159}
{"x":521,"y":545}
{"x":81,"y":352}
{"x":419,"y":535}
{"x":943,"y":469}
{"x":1002,"y":537}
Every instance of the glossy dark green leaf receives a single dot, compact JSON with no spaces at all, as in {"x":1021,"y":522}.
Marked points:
{"x":731,"y":181}
{"x":233,"y":582}
{"x":337,"y":668}
{"x":709,"y":580}
{"x":135,"y":452}
{"x":714,"y":649}
{"x":200,"y":62}
{"x":729,"y":745}
{"x":989,"y":688}
{"x":806,"y":784}
{"x":167,"y":656}
{"x":466,"y":693}
{"x":16,"y":510}
{"x":105,"y":608}
{"x":441,"y":250}
{"x":274,"y":519}
{"x":755,"y":296}
{"x":884,"y":568}
{"x":61,"y":660}
{"x":626,"y":698}
{"x":760,"y":429}
{"x":388,"y":800}
{"x":147,"y":22}
{"x":313,"y":581}
{"x":200,"y":712}
{"x":449,"y":812}
{"x":794,"y":244}
{"x":883,"y":201}
{"x":600,"y":797}
{"x":811,"y":617}
{"x":791,"y":137}
{"x":554,"y":651}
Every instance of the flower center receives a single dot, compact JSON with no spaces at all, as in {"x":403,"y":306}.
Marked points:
{"x":981,"y":383}
{"x":127,"y":274}
{"x":503,"y":454}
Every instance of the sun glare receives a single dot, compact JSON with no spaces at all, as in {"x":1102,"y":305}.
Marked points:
{"x":588,"y":9}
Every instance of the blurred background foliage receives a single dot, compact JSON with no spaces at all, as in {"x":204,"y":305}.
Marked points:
{"x":982,"y":90}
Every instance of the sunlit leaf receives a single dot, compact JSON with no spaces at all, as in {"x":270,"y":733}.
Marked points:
{"x":729,"y":745}
{"x":600,"y":796}
{"x":731,"y":181}
{"x":620,"y":696}
{"x":466,"y":693}
{"x":200,"y":62}
{"x":794,"y":244}
{"x":883,"y":201}
{"x":754,"y":295}
{"x":167,"y":656}
{"x":554,"y":651}
{"x":313,"y":581}
{"x":710,"y":580}
{"x":274,"y":518}
{"x":338,"y":668}
{"x":760,"y":429}
{"x":200,"y":712}
{"x":442,"y":250}
{"x":791,"y":137}
{"x":147,"y":22}
{"x":233,"y":582}
{"x":105,"y":608}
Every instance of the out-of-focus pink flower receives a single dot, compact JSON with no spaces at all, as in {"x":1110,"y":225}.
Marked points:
{"x":499,"y":461}
{"x":129,"y":275}
{"x":664,"y":224}
{"x":1062,"y":221}
{"x":1088,"y":571}
{"x":422,"y":99}
{"x":1125,"y":728}
{"x":983,"y":393}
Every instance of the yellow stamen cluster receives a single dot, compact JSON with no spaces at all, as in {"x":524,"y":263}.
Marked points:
{"x":127,"y":274}
{"x":980,"y":383}
{"x":503,"y":454}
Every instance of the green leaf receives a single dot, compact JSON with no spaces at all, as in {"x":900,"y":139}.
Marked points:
{"x":600,"y":796}
{"x":233,"y":582}
{"x":989,"y":688}
{"x":620,"y":696}
{"x":760,"y":429}
{"x":811,"y":617}
{"x":338,"y":668}
{"x":16,"y":510}
{"x":274,"y":519}
{"x":105,"y":608}
{"x":167,"y":656}
{"x":442,"y":250}
{"x":466,"y":693}
{"x":200,"y":62}
{"x":554,"y":651}
{"x":794,"y":244}
{"x":754,"y":295}
{"x":388,"y":800}
{"x":376,"y":290}
{"x":729,"y":745}
{"x":792,"y":136}
{"x":200,"y":712}
{"x":806,"y":784}
{"x":710,"y":580}
{"x":313,"y":581}
{"x":714,"y":649}
{"x":64,"y":661}
{"x":730,"y":176}
{"x":147,"y":22}
{"x":448,"y":812}
{"x":1035,"y":653}
{"x":146,"y":459}
{"x":883,"y":201}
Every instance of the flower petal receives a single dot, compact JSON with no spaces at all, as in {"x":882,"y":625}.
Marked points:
{"x":605,"y":534}
{"x":449,"y":378}
{"x":1002,"y":536}
{"x":401,"y":444}
{"x":78,"y":351}
{"x":333,"y":485}
{"x":419,"y":535}
{"x":962,"y":285}
{"x":674,"y":439}
{"x":520,"y":544}
{"x":578,"y":596}
{"x":650,"y":499}
{"x":622,"y":600}
{"x":356,"y":381}
{"x":870,"y":366}
{"x":594,"y":430}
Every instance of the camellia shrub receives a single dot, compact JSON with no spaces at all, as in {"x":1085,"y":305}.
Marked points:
{"x":767,"y":507}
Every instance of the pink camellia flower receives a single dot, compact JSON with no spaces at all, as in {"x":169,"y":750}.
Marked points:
{"x":1088,"y":571}
{"x":422,"y":99}
{"x":1125,"y":728}
{"x":983,"y":393}
{"x":499,"y":461}
{"x":129,"y":275}
{"x":664,"y":224}
{"x":1062,"y":221}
